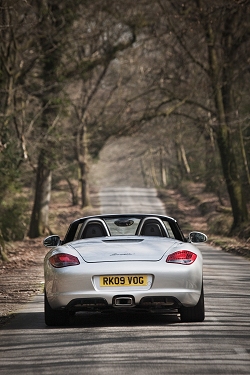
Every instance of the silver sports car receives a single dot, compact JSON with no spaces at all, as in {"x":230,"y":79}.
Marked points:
{"x":124,"y":262}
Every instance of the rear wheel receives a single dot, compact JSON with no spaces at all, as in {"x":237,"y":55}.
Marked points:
{"x":195,"y":313}
{"x":54,"y":317}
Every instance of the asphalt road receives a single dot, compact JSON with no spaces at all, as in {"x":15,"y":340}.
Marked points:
{"x":142,"y":344}
{"x":130,"y":200}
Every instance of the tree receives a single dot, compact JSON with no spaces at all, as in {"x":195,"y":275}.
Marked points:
{"x":74,"y":74}
{"x":97,"y":42}
{"x":223,"y":44}
{"x":221,"y":32}
{"x":54,"y":19}
{"x":221,"y":82}
{"x":15,"y":65}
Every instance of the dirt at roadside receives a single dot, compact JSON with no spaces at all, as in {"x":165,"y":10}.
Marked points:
{"x":21,"y":277}
{"x":195,"y":210}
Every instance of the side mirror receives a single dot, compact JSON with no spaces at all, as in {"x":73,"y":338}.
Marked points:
{"x":197,"y":237}
{"x":52,"y":241}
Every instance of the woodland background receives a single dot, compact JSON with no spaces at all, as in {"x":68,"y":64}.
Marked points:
{"x":74,"y":75}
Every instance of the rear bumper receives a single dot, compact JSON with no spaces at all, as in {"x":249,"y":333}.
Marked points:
{"x":124,"y":303}
{"x":151,"y":299}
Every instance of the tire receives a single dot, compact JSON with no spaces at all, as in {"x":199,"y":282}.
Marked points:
{"x":54,"y":317}
{"x":196,"y":313}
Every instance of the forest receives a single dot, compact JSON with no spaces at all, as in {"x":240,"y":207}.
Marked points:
{"x":73,"y":74}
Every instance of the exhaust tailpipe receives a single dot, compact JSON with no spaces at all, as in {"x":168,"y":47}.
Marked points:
{"x":123,"y":301}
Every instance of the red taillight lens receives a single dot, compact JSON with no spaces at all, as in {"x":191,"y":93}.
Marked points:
{"x":182,"y":257}
{"x":63,"y":260}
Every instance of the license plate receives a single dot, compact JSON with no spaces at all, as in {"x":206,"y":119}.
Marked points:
{"x":124,"y":280}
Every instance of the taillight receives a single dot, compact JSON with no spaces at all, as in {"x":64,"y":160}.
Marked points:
{"x":182,"y":257}
{"x":63,"y":260}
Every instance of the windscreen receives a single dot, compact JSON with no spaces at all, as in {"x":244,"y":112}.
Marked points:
{"x":122,"y":227}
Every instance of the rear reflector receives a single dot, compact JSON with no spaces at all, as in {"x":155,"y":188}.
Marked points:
{"x":63,"y":260}
{"x":182,"y":257}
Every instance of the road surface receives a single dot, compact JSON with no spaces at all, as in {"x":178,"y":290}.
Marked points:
{"x":142,"y":344}
{"x":130,"y":200}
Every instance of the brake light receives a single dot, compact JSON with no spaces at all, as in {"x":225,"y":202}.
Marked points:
{"x":182,"y":257}
{"x":63,"y":260}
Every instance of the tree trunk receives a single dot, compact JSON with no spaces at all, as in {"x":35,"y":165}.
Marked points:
{"x":244,"y":157}
{"x":51,"y":51}
{"x":212,"y":181}
{"x":184,"y":159}
{"x":234,"y":186}
{"x":223,"y":103}
{"x":82,"y":158}
{"x":40,"y":212}
{"x":183,"y":164}
{"x":83,"y":168}
{"x":162,"y":168}
{"x":74,"y":190}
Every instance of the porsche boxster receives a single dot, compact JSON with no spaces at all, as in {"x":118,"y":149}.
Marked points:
{"x":114,"y":263}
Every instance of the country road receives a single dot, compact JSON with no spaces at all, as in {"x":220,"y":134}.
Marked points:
{"x":141,"y":344}
{"x":130,"y":200}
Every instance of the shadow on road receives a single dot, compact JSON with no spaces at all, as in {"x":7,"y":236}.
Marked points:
{"x":35,"y":320}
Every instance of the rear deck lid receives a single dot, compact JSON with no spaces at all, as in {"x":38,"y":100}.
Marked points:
{"x":121,"y":249}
